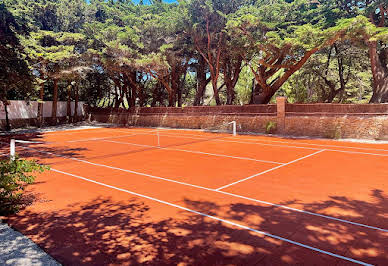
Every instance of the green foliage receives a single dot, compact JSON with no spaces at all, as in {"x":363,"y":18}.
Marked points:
{"x":15,"y":175}
{"x":334,"y":133}
{"x":14,"y":71}
{"x":149,"y":54}
{"x":270,"y":127}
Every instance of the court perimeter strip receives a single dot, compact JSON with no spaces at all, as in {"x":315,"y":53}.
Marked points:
{"x":213,"y":190}
{"x":217,"y":219}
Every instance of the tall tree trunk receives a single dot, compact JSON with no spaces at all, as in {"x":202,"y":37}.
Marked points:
{"x":117,"y":98}
{"x":131,"y":89}
{"x":76,"y":100}
{"x":55,"y":103}
{"x":231,"y":75}
{"x":253,"y":88}
{"x":212,"y":60}
{"x":201,"y":81}
{"x":171,"y":100}
{"x":215,"y":91}
{"x":7,"y":124}
{"x":137,"y":90}
{"x":40,"y":106}
{"x":175,"y":76}
{"x":180,"y":87}
{"x":68,"y":107}
{"x":263,"y":96}
{"x":263,"y":91}
{"x":379,"y":72}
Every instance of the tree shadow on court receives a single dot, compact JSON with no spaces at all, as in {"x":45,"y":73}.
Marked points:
{"x":134,"y":232}
{"x":37,"y":147}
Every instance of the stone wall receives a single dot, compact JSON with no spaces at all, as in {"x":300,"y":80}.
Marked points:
{"x":362,"y":121}
{"x":250,"y":118}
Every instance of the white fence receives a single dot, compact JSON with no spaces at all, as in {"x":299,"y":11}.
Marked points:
{"x":25,"y":110}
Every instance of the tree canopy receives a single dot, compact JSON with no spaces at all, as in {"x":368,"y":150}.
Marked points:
{"x":119,"y":53}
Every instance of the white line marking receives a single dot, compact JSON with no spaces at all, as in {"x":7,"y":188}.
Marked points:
{"x":217,"y":219}
{"x":68,"y":131}
{"x":277,"y":141}
{"x":119,"y":169}
{"x":104,"y":138}
{"x":218,"y":191}
{"x":198,"y":152}
{"x":247,"y":142}
{"x":275,"y":145}
{"x":302,"y":211}
{"x":233,"y":141}
{"x":358,"y":152}
{"x":269,"y":170}
{"x":320,"y":145}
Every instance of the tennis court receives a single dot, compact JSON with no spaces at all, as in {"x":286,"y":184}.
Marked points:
{"x":166,"y":196}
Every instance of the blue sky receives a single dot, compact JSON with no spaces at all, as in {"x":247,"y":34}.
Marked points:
{"x":147,"y":2}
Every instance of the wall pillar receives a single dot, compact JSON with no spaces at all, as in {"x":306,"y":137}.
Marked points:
{"x":281,"y":114}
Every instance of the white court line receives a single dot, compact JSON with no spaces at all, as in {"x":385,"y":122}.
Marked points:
{"x":269,"y":170}
{"x":217,"y":219}
{"x":274,"y":145}
{"x":198,"y":152}
{"x":67,"y":131}
{"x":218,"y":191}
{"x":246,"y":142}
{"x":321,"y":145}
{"x":278,"y":141}
{"x":231,"y":141}
{"x":112,"y":137}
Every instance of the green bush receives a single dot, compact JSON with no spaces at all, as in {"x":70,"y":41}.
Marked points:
{"x":15,"y":175}
{"x":270,"y":127}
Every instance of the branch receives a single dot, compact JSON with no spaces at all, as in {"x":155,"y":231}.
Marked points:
{"x":200,"y":51}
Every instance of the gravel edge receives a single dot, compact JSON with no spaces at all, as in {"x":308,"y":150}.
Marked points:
{"x":17,"y":249}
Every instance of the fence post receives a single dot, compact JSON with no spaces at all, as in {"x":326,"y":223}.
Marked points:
{"x":281,"y":114}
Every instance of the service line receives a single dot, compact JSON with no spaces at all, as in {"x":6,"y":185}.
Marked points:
{"x":197,"y":152}
{"x":269,"y":170}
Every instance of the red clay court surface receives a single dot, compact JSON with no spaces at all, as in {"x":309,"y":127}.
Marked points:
{"x":113,"y":196}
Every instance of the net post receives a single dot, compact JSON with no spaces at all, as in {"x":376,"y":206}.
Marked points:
{"x":234,"y":128}
{"x":12,"y":148}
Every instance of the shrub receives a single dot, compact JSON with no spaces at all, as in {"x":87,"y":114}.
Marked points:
{"x":270,"y":127}
{"x":15,"y":175}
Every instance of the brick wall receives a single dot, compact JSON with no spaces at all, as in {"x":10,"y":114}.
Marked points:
{"x":364,"y":121}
